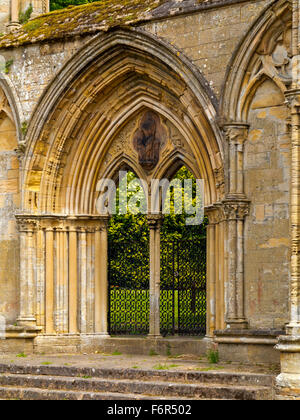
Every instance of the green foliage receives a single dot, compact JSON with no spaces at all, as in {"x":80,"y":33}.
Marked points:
{"x":8,"y":65}
{"x":131,"y":232}
{"x":24,"y":127}
{"x":134,"y":227}
{"x":61,"y":4}
{"x":159,"y":366}
{"x":25,"y":16}
{"x":213,"y":357}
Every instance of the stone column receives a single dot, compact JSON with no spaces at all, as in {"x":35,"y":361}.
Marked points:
{"x":288,"y":382}
{"x":49,"y":288}
{"x":83,"y":279}
{"x":27,"y":229}
{"x":73,"y":279}
{"x":62,"y":286}
{"x":235,"y":213}
{"x":216,"y":276}
{"x":154,"y":221}
{"x":40,"y":278}
{"x":211,"y":280}
{"x":101,"y":277}
{"x":236,"y":135}
{"x":14,"y":16}
{"x":236,"y":208}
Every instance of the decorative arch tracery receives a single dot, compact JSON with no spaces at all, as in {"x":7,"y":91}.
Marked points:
{"x":82,"y":130}
{"x":265,"y":54}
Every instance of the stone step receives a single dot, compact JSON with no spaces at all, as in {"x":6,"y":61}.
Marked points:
{"x":18,"y":393}
{"x":213,"y":377}
{"x":129,"y":386}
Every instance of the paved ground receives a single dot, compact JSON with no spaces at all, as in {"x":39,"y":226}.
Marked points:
{"x":117,"y":360}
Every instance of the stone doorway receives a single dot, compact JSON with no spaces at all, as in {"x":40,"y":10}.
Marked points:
{"x":172,"y":259}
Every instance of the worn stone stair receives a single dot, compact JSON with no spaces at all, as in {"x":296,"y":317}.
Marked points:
{"x":71,"y":383}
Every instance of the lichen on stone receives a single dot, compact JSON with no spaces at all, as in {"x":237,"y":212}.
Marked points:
{"x":79,"y":20}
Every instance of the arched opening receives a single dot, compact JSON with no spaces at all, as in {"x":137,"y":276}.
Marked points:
{"x":182,"y":295}
{"x":183,"y":258}
{"x":114,"y":93}
{"x":128,"y":260}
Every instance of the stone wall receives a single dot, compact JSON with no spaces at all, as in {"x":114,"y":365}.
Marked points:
{"x":208,"y":38}
{"x":267,"y":176}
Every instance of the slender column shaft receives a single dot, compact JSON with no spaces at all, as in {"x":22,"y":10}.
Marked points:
{"x":154,"y":225}
{"x":30,"y":275}
{"x":23,"y":273}
{"x":222,"y":276}
{"x":90,"y":283}
{"x":232,"y":170}
{"x":101,"y":280}
{"x":236,"y":212}
{"x":65,"y":282}
{"x":217,"y":275}
{"x":49,"y":281}
{"x":83,"y":288}
{"x":240,"y":270}
{"x":240,"y":169}
{"x":59,"y":282}
{"x":211,"y":283}
{"x":14,"y":10}
{"x":40,"y":282}
{"x":236,"y":134}
{"x":231,"y":309}
{"x":27,"y":276}
{"x":73,"y":279}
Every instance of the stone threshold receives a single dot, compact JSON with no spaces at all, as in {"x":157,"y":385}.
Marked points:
{"x":260,"y":336}
{"x":21,"y":332}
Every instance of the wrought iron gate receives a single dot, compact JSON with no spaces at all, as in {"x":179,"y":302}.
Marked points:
{"x":183,"y":287}
{"x":128,"y":273}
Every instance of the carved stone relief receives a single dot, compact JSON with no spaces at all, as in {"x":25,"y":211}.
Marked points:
{"x":148,"y":139}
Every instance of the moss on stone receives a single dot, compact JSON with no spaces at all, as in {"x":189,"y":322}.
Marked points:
{"x":79,"y":20}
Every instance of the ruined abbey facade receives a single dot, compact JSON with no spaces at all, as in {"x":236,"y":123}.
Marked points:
{"x":222,"y":80}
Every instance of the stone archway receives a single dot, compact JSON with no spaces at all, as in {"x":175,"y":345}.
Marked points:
{"x":83,"y":131}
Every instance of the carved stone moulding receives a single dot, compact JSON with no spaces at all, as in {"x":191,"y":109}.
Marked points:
{"x":236,"y":210}
{"x":28,"y":223}
{"x":236,"y":133}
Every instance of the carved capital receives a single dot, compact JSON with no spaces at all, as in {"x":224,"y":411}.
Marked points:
{"x":293,"y":101}
{"x":20,"y":150}
{"x":26,"y":224}
{"x":236,"y":210}
{"x":155,"y":221}
{"x":236,"y":133}
{"x":215,"y":214}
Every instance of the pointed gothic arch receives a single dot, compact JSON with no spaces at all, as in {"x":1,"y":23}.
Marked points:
{"x":81,"y":131}
{"x":254,"y":62}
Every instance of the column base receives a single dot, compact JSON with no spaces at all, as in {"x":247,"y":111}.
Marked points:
{"x":293,"y":329}
{"x":288,"y":382}
{"x":154,"y":336}
{"x":13,"y":27}
{"x":237,"y":324}
{"x":26,"y":321}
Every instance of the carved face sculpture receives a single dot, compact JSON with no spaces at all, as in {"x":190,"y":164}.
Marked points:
{"x":147,"y":140}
